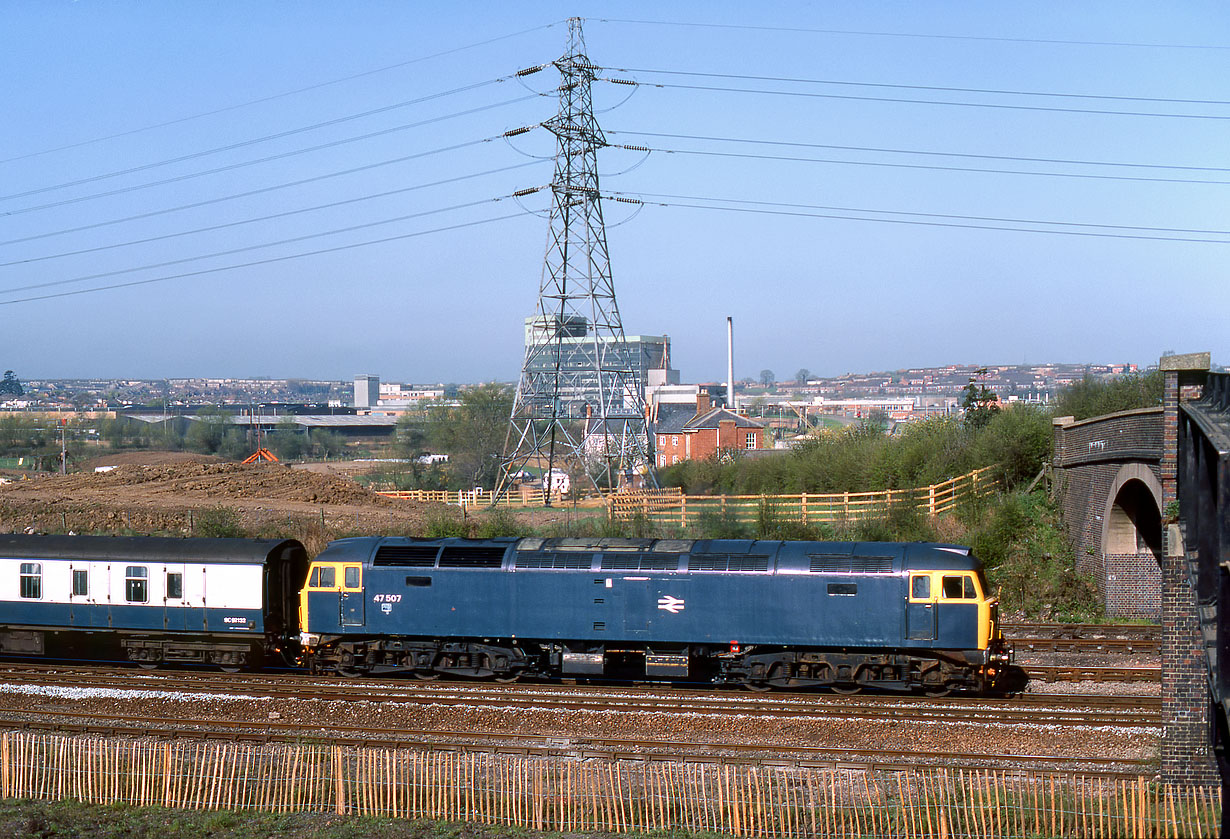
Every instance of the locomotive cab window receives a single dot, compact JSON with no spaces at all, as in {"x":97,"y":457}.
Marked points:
{"x":323,"y":576}
{"x":32,"y":580}
{"x":959,"y":588}
{"x":351,"y":577}
{"x":136,"y":579}
{"x":920,"y":587}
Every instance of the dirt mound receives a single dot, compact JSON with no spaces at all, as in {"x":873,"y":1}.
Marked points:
{"x":216,"y":482}
{"x":148,"y":459}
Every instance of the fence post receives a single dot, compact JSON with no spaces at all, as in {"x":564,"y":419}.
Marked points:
{"x":339,"y":782}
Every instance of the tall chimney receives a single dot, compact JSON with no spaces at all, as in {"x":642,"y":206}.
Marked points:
{"x":730,"y":363}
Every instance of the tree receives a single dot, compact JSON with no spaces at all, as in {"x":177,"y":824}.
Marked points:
{"x":11,"y":385}
{"x":978,"y":400}
{"x":801,"y":377}
{"x":472,"y":434}
{"x":767,"y":378}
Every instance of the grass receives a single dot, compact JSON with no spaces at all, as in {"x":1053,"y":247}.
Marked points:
{"x":27,"y":819}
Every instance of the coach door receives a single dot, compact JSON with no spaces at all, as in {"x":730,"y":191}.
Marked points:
{"x":352,"y":595}
{"x":920,"y":612}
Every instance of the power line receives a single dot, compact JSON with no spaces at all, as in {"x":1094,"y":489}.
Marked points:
{"x":268,"y":261}
{"x":245,"y":143}
{"x":793,"y":159}
{"x":936,"y":36}
{"x":987,"y":91}
{"x":276,"y":96}
{"x":280,"y":156}
{"x":899,"y":100}
{"x":619,"y":195}
{"x":880,"y":150}
{"x":916,"y":222}
{"x":263,"y":190}
{"x":285,"y":214}
{"x":246,"y":248}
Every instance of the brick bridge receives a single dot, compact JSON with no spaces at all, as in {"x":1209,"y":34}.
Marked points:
{"x":1116,"y":478}
{"x":1107,"y":477}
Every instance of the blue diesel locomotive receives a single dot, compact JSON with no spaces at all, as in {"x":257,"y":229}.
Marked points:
{"x":763,"y":614}
{"x":225,"y":602}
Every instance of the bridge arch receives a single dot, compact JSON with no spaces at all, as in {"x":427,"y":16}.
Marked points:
{"x":1132,"y":518}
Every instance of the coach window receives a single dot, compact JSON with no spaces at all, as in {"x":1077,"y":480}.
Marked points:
{"x":32,"y":580}
{"x":135,"y":579}
{"x":81,"y":582}
{"x":175,"y":585}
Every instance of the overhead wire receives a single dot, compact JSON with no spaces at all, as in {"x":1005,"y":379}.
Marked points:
{"x":261,"y":191}
{"x":764,"y":210}
{"x":264,"y":99}
{"x":280,"y":156}
{"x":268,"y":261}
{"x":921,"y":35}
{"x":920,"y":152}
{"x":253,"y":141}
{"x":982,"y":90}
{"x":921,"y":166}
{"x":259,"y":246}
{"x":900,"y":100}
{"x":270,"y":217}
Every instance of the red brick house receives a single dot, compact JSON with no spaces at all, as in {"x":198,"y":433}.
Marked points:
{"x":709,"y":432}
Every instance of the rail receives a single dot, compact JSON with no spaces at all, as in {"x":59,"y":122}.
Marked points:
{"x":673,"y":507}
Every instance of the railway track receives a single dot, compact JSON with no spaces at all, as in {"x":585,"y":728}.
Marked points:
{"x":1026,"y":709}
{"x":1125,"y":631}
{"x":1093,"y":674}
{"x":113,"y":725}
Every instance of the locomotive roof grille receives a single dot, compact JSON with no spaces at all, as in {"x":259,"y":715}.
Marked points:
{"x":472,"y":556}
{"x":641,"y":562}
{"x":554,"y":560}
{"x":839,"y":563}
{"x":728,"y":562}
{"x":409,"y":556}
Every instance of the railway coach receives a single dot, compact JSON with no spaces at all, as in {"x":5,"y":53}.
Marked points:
{"x":225,"y":602}
{"x":762,"y":614}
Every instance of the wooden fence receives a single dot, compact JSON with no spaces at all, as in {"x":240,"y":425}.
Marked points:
{"x":560,"y":793}
{"x":672,"y":507}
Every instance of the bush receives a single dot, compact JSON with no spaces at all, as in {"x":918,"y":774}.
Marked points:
{"x":217,"y":523}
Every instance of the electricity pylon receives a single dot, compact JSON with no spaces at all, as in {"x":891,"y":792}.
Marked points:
{"x":579,"y":410}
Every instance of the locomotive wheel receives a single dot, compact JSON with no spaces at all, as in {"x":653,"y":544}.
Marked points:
{"x":148,"y":665}
{"x":426,"y":676}
{"x":937,"y":691}
{"x":757,"y":687}
{"x":846,"y":690}
{"x":507,"y":680}
{"x":230,"y":668}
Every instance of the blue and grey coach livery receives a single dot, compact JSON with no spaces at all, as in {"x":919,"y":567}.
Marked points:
{"x":764,"y":614}
{"x":225,"y":602}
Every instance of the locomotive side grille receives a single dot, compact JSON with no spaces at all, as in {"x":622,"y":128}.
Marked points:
{"x":640,"y":562}
{"x":552,"y":559}
{"x":410,"y":556}
{"x":472,"y":556}
{"x":844,"y":563}
{"x":728,"y":562}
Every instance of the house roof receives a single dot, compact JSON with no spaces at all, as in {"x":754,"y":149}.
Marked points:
{"x":714,"y":416}
{"x":673,"y":418}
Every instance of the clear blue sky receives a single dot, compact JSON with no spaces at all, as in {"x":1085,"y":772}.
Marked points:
{"x":95,"y":88}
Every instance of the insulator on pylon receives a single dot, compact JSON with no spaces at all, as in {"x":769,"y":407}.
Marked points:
{"x":623,"y":81}
{"x":523,"y":130}
{"x":529,"y":71}
{"x":523,"y":192}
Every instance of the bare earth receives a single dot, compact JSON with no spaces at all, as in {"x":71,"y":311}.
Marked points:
{"x":170,"y":492}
